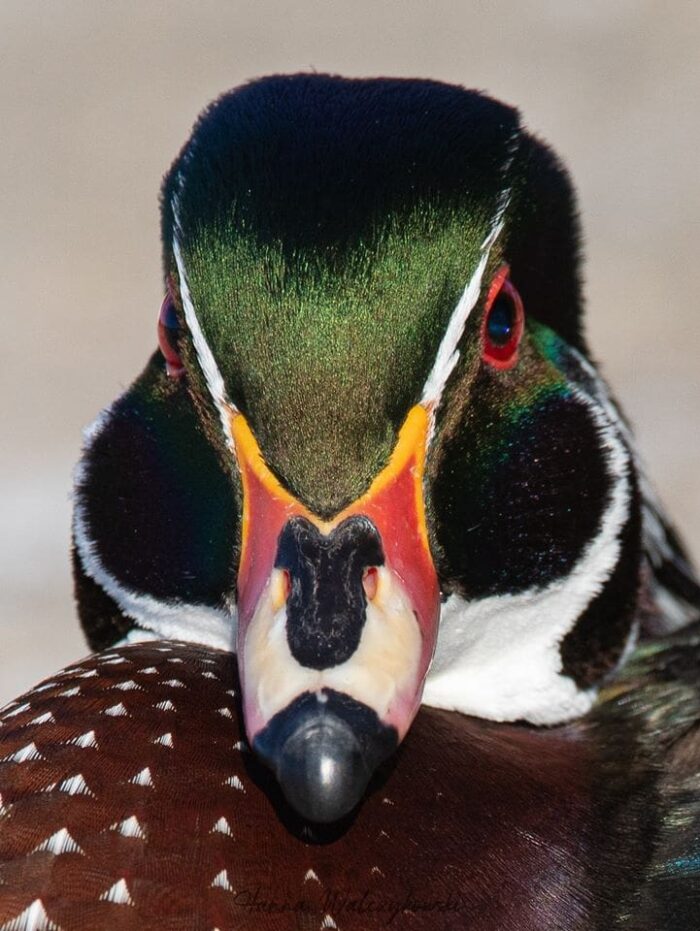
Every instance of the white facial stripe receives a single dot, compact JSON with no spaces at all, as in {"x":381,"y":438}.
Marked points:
{"x":178,"y":620}
{"x":499,"y":657}
{"x":212,"y":375}
{"x":384,"y":666}
{"x":448,"y":353}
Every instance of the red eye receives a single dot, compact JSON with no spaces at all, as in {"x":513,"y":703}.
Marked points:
{"x":168,"y":335}
{"x":504,"y":319}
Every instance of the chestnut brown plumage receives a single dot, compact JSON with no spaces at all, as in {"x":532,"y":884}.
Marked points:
{"x":130,"y":800}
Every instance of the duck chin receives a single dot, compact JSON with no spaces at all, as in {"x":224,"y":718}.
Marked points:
{"x":383,"y":672}
{"x":323,"y":731}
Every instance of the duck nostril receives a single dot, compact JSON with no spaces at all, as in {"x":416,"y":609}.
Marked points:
{"x":370,"y":582}
{"x":281,"y":588}
{"x":286,"y":584}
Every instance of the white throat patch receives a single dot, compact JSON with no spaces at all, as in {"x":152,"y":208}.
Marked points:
{"x":499,"y":657}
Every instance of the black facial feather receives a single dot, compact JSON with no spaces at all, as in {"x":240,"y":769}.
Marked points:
{"x":515,"y":504}
{"x":155,"y":502}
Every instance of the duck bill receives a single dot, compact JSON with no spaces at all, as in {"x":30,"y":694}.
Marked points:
{"x":337,"y":624}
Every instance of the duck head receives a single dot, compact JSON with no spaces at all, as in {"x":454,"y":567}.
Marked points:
{"x":372,"y":406}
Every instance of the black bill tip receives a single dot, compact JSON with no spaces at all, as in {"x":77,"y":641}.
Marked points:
{"x":324,"y":749}
{"x":322,"y":770}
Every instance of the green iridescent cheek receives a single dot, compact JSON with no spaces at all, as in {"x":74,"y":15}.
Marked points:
{"x":538,"y":378}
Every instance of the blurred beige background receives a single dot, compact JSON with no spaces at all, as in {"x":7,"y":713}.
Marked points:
{"x":95,"y":100}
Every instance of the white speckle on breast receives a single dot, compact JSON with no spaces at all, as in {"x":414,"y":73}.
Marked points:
{"x":116,"y":711}
{"x":114,"y":662}
{"x":69,"y":693}
{"x":88,"y":675}
{"x":311,"y":875}
{"x":165,"y":740}
{"x":85,"y":740}
{"x":60,"y":842}
{"x":33,"y":918}
{"x":127,"y":686}
{"x":234,"y":782}
{"x":224,"y":712}
{"x":207,"y":674}
{"x":175,"y":683}
{"x":148,"y":671}
{"x":118,"y":893}
{"x":45,"y":718}
{"x":142,"y":778}
{"x":328,"y":923}
{"x":220,"y":881}
{"x":129,"y":827}
{"x":75,"y":785}
{"x":222,"y":827}
{"x":166,"y":705}
{"x":24,"y":755}
{"x":18,"y":710}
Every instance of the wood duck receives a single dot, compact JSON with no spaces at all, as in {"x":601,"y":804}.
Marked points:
{"x":391,"y":629}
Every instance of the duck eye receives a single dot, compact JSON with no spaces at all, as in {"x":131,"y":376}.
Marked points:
{"x":503,"y":323}
{"x":168,"y":336}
